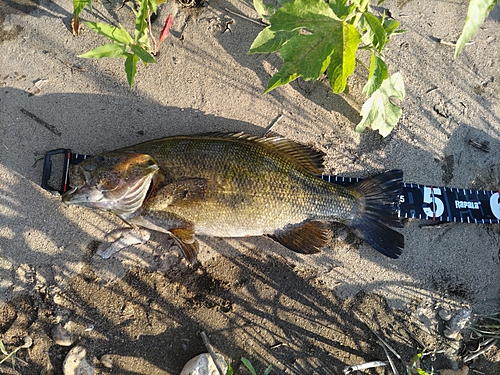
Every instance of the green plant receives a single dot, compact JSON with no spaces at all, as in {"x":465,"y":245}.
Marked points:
{"x":476,"y":14}
{"x":414,"y":367}
{"x":316,"y":36}
{"x":249,"y":366}
{"x":12,"y":354}
{"x":133,"y":49}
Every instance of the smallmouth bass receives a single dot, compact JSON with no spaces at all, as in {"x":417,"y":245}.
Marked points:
{"x":236,"y":185}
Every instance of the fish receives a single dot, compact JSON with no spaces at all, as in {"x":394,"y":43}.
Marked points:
{"x":237,"y":185}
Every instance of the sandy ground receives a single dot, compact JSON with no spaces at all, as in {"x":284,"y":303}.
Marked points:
{"x":145,"y":307}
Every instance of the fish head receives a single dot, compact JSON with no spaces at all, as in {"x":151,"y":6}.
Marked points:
{"x":116,"y":181}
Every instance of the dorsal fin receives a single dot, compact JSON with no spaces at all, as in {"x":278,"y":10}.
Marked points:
{"x":298,"y":154}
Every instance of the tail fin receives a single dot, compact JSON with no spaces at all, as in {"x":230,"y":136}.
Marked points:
{"x":380,"y":210}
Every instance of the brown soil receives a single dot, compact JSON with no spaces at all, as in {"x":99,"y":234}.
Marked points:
{"x":257,"y":305}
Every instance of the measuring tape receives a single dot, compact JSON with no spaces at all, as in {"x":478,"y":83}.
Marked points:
{"x":416,"y":201}
{"x":441,"y":203}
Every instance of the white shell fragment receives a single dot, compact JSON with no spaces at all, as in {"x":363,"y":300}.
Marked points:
{"x":204,"y":365}
{"x":122,"y":238}
{"x":76,"y":364}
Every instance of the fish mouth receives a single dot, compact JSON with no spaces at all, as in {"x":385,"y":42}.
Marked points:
{"x":83,"y":196}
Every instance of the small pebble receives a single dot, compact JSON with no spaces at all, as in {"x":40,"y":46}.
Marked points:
{"x":444,"y":314}
{"x":76,"y":364}
{"x":457,"y":323}
{"x":204,"y":365}
{"x":58,"y":299}
{"x":61,"y":336}
{"x":107,"y":361}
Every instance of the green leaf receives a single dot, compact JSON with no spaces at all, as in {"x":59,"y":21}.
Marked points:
{"x":341,"y":10}
{"x":152,"y":5}
{"x":2,"y":348}
{"x":378,"y":73}
{"x":144,"y":55}
{"x":141,"y":24}
{"x":79,"y":5}
{"x":390,"y":27}
{"x":416,"y":360}
{"x":248,"y":365}
{"x":271,"y":41}
{"x":343,"y":59}
{"x":131,"y":67}
{"x":307,"y":53}
{"x":268,"y":370}
{"x":118,"y":34}
{"x":375,"y":33}
{"x":303,"y":56}
{"x":378,"y":111}
{"x":107,"y":50}
{"x":312,"y":15}
{"x":265,"y":11}
{"x":477,"y":13}
{"x":422,"y":372}
{"x":229,"y":369}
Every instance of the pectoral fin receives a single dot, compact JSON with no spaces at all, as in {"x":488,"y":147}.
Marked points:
{"x":186,"y":241}
{"x":181,"y":231}
{"x":306,"y":238}
{"x":181,"y":192}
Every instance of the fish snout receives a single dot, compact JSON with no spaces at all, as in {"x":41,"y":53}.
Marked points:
{"x":82,"y":196}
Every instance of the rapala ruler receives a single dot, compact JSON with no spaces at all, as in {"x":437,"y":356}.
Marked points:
{"x":417,"y":201}
{"x":442,"y":203}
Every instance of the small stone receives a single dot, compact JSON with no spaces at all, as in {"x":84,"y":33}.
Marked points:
{"x":76,"y":364}
{"x":204,"y":365}
{"x":58,"y":299}
{"x":452,"y":334}
{"x":107,"y":361}
{"x":457,"y":324}
{"x":444,"y":314}
{"x":61,"y":336}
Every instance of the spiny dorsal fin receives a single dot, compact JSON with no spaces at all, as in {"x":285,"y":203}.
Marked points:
{"x":306,"y":238}
{"x":298,"y":154}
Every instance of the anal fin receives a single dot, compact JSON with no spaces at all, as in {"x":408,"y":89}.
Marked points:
{"x":307,"y":238}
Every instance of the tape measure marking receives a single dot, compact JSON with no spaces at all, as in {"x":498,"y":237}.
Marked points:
{"x":442,"y":203}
